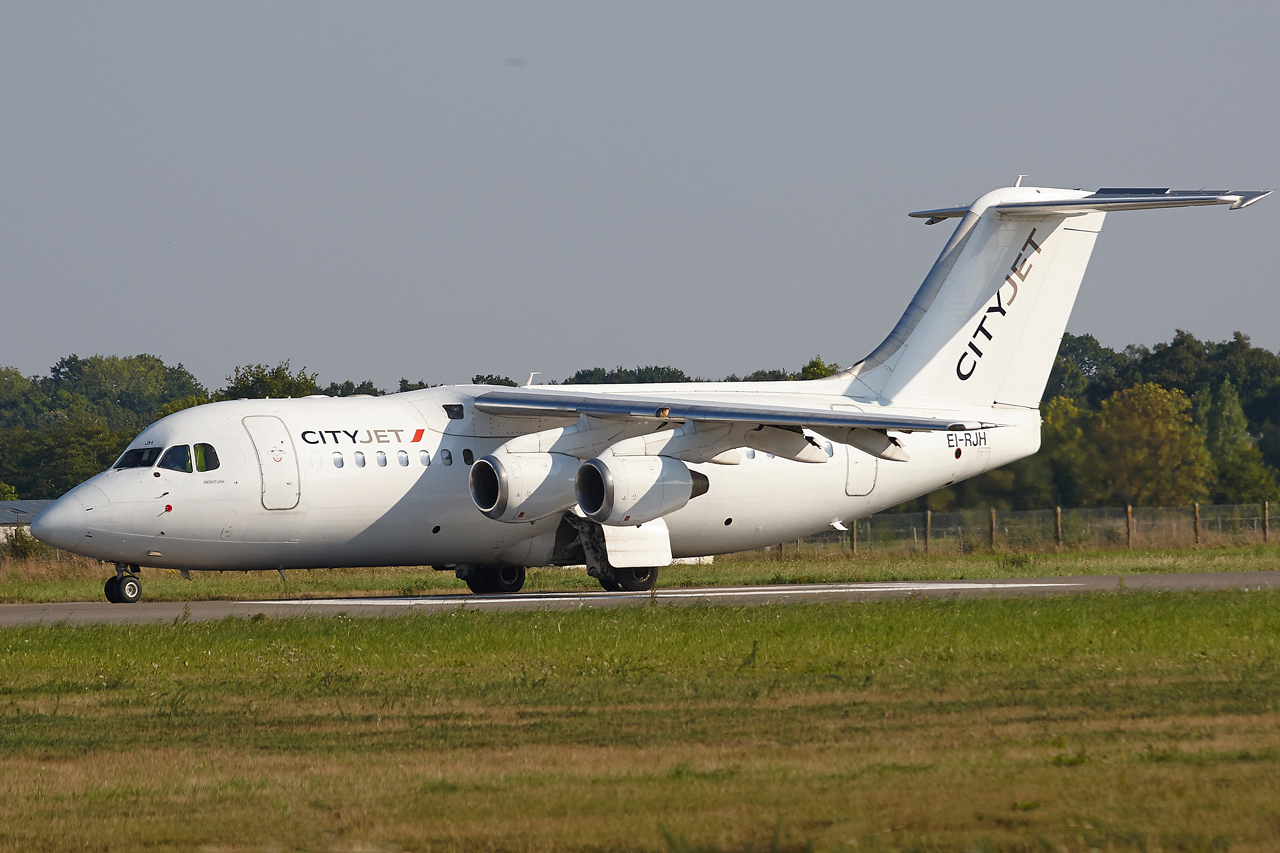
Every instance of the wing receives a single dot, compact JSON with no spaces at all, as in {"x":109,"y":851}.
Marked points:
{"x":620,"y":406}
{"x":1108,"y":199}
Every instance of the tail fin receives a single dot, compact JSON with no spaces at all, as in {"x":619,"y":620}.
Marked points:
{"x":985,"y":325}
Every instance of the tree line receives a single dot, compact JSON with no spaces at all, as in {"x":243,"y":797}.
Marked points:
{"x":1181,"y":421}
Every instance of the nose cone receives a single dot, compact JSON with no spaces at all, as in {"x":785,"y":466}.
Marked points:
{"x":64,"y":522}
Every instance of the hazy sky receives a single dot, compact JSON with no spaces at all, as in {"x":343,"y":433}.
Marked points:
{"x":379,"y":190}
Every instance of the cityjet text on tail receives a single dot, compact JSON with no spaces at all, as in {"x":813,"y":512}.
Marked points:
{"x":487,"y":482}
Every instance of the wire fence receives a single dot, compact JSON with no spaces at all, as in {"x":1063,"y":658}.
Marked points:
{"x":1101,"y":528}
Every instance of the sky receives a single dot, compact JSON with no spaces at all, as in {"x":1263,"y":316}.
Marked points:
{"x":435,"y":190}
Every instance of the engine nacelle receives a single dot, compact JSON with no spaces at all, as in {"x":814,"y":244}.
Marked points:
{"x":618,"y":490}
{"x":522,"y":486}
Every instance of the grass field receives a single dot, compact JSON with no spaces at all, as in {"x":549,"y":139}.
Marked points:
{"x":1130,"y":722}
{"x":70,"y":578}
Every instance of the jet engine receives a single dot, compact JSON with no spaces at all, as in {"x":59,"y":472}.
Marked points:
{"x":522,"y":486}
{"x":620,"y":490}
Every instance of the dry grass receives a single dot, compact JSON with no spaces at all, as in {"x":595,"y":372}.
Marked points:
{"x":1133,"y":722}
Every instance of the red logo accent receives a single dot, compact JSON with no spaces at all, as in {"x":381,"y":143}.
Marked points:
{"x":417,"y":435}
{"x":168,"y":507}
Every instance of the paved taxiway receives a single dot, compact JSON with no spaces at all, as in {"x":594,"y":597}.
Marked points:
{"x":92,"y":612}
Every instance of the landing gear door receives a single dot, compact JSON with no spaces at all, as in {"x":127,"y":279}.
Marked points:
{"x":277,"y":461}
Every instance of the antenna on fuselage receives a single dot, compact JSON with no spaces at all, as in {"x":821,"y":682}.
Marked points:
{"x":1018,"y":182}
{"x":529,"y":381}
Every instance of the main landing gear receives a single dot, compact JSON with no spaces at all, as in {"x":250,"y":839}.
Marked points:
{"x":625,"y":580}
{"x":487,"y":580}
{"x":595,"y":553}
{"x":124,"y":588}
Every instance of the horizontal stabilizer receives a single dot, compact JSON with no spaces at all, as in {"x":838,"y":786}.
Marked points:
{"x":1106,"y":200}
{"x":521,"y":404}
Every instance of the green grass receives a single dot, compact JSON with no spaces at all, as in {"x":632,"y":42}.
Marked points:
{"x":1134,"y":722}
{"x":78,"y":579}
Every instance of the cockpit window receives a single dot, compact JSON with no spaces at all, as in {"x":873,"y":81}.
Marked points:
{"x":177,"y":458}
{"x":139,"y":457}
{"x":206,"y":457}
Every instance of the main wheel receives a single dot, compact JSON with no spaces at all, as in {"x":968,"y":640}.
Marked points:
{"x":636,"y":580}
{"x":480,"y":582}
{"x":112,"y":590}
{"x":609,"y":585}
{"x":508,"y":579}
{"x":129,"y":590}
{"x":487,"y":580}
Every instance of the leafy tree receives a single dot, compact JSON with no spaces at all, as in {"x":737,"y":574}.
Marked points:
{"x":1068,"y":447}
{"x":492,"y":379}
{"x":1243,"y":476}
{"x":760,"y":376}
{"x":817,"y":369}
{"x":179,"y":404}
{"x":257,"y":381}
{"x":628,"y":376}
{"x":126,"y":392}
{"x":1148,"y":450}
{"x":45,"y":464}
{"x":8,"y":493}
{"x":22,"y":401}
{"x":406,"y":385}
{"x":1086,"y":371}
{"x":349,"y":389}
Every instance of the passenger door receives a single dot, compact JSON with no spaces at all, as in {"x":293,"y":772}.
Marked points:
{"x":277,"y":461}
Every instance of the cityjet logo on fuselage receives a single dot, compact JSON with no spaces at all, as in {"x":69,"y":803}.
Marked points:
{"x":1019,"y":271}
{"x":367,"y":436}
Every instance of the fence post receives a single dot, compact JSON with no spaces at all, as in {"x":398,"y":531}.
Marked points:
{"x":1057,"y":526}
{"x":853,"y":537}
{"x":1266,"y":520}
{"x":1128,"y":526}
{"x":1196,"y":506}
{"x":928,"y":526}
{"x":993,"y":528}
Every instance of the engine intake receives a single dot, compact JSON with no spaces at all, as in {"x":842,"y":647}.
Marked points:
{"x":618,"y":490}
{"x":517,"y":487}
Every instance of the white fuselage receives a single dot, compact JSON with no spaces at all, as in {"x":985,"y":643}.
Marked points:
{"x":292,"y":506}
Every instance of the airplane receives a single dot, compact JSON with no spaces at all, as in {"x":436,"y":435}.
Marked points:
{"x":488,"y":481}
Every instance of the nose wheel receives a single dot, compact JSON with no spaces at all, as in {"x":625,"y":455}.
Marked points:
{"x":124,"y":588}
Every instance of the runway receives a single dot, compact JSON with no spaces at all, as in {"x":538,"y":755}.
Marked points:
{"x":93,"y":612}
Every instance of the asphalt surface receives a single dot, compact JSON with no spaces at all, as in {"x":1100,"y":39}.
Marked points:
{"x":93,"y":612}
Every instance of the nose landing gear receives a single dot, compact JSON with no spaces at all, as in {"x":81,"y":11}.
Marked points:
{"x":124,"y":588}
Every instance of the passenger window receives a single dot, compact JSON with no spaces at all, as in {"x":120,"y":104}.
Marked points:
{"x":206,"y":457}
{"x":359,"y":459}
{"x":139,"y":457}
{"x":751,"y":454}
{"x":177,"y":459}
{"x":425,"y":458}
{"x":467,"y":456}
{"x":337,"y":460}
{"x":382,"y":459}
{"x":446,"y":457}
{"x":828,"y":449}
{"x":403,"y":458}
